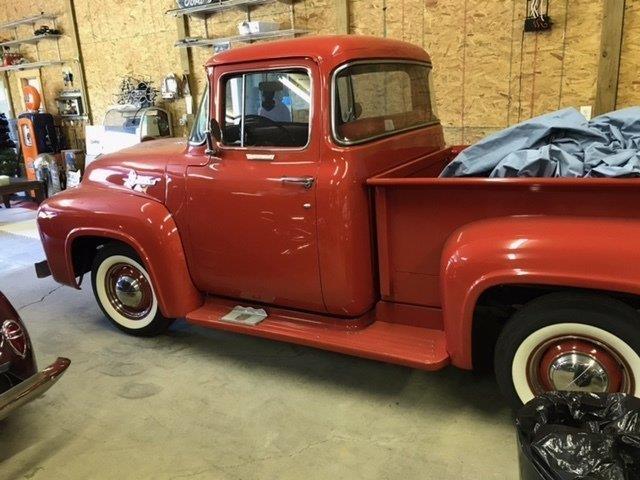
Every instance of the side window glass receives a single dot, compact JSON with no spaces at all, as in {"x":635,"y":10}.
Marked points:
{"x":202,"y":118}
{"x":267,"y":109}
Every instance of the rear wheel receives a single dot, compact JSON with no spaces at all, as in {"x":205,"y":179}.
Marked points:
{"x":571,"y":342}
{"x":122,"y":286}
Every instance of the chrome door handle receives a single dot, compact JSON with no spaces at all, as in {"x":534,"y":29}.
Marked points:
{"x":306,"y":182}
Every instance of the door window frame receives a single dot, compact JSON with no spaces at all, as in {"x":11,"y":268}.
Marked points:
{"x":222,"y":96}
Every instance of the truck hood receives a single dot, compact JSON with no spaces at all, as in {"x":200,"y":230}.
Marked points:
{"x":139,"y":169}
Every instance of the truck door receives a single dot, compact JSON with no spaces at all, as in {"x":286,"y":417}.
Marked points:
{"x":251,"y":212}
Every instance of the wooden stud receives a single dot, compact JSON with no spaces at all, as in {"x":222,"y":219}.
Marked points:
{"x":71,"y":9}
{"x":609,"y":64}
{"x":342,"y":17}
{"x":7,"y":89}
{"x":185,"y":59}
{"x":183,"y":32}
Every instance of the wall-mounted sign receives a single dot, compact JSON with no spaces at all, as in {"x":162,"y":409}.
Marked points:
{"x":195,"y":3}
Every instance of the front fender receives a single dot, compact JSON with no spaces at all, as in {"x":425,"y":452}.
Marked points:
{"x":583,"y":252}
{"x":141,"y":222}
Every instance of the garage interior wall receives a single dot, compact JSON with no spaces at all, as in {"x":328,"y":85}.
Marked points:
{"x":487,"y":74}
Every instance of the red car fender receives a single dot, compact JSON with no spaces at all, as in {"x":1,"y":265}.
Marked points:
{"x":141,"y":222}
{"x":584,"y":252}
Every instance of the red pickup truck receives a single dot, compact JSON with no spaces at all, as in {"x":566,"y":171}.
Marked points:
{"x":308,"y":192}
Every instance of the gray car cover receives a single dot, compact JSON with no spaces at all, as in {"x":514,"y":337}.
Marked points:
{"x":558,"y":144}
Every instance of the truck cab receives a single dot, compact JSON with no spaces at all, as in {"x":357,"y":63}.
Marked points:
{"x":288,"y":181}
{"x":305,"y":206}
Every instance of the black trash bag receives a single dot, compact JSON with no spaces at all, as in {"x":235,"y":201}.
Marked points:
{"x":580,"y":436}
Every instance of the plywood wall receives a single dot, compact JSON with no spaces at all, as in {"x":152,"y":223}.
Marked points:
{"x":50,"y":77}
{"x":120,"y":38}
{"x":487,"y":74}
{"x":629,"y":79}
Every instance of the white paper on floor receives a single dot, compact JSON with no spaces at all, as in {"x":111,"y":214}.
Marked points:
{"x":245,"y":315}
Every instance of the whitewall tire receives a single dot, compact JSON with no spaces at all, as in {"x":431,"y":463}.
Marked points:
{"x":569,"y":341}
{"x":124,"y":291}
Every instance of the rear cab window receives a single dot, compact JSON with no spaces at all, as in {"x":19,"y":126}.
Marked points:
{"x":267,"y":109}
{"x":377,"y":99}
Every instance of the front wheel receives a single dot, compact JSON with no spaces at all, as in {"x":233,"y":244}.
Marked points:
{"x":569,"y":342}
{"x":122,"y":286}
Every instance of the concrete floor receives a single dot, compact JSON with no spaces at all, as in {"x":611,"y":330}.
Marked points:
{"x":202,"y":404}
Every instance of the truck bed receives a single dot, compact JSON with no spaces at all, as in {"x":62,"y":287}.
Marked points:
{"x":416,"y":212}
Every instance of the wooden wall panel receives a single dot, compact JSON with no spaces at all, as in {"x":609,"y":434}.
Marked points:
{"x":581,"y":57}
{"x":629,"y":78}
{"x":137,"y":42}
{"x":367,"y":17}
{"x":487,"y":75}
{"x":444,"y":40}
{"x":317,"y":16}
{"x":487,"y":48}
{"x":51,"y":77}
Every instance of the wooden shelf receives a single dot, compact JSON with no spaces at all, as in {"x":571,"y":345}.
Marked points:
{"x":28,"y":21}
{"x":203,"y":11}
{"x":31,"y":66}
{"x":210,"y":42}
{"x":32,"y":40}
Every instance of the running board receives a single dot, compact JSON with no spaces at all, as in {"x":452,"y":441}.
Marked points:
{"x":408,"y":345}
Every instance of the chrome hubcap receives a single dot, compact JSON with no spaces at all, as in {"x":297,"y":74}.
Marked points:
{"x":578,"y":372}
{"x":128,"y":291}
{"x":579,"y":364}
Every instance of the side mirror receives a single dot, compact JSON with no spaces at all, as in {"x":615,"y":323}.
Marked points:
{"x":214,"y":135}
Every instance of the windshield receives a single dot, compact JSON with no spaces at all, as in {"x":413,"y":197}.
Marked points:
{"x":198,"y":135}
{"x":379,"y":99}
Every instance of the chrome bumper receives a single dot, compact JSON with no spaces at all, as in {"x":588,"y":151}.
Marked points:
{"x":32,"y":387}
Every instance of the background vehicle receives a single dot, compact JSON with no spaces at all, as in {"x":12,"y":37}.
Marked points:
{"x":20,"y":381}
{"x":334,"y":221}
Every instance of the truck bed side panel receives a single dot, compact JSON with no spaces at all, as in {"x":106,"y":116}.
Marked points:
{"x":418,"y":214}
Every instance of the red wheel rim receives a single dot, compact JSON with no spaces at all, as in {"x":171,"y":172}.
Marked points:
{"x":128,"y":290}
{"x":573,"y":363}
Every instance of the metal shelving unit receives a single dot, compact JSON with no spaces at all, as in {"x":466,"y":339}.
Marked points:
{"x":31,"y":40}
{"x":28,"y":21}
{"x":31,"y":65}
{"x":210,"y":42}
{"x":204,"y":11}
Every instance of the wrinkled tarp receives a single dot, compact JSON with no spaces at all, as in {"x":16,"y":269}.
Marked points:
{"x":571,"y":435}
{"x":558,"y":144}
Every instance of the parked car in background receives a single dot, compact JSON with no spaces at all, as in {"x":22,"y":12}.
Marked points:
{"x":308,"y":193}
{"x":20,"y":380}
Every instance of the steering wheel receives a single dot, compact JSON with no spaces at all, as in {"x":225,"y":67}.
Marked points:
{"x":268,"y":122}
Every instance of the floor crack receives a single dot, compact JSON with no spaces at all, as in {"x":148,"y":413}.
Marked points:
{"x":39,"y":301}
{"x":293,"y":454}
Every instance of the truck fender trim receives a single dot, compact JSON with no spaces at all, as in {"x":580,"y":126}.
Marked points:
{"x":168,"y":270}
{"x":532,"y":250}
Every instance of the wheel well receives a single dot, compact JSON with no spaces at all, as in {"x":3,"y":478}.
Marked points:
{"x":497,"y":304}
{"x":84,"y":251}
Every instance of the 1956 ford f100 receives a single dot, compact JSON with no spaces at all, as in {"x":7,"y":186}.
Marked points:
{"x":309,"y":191}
